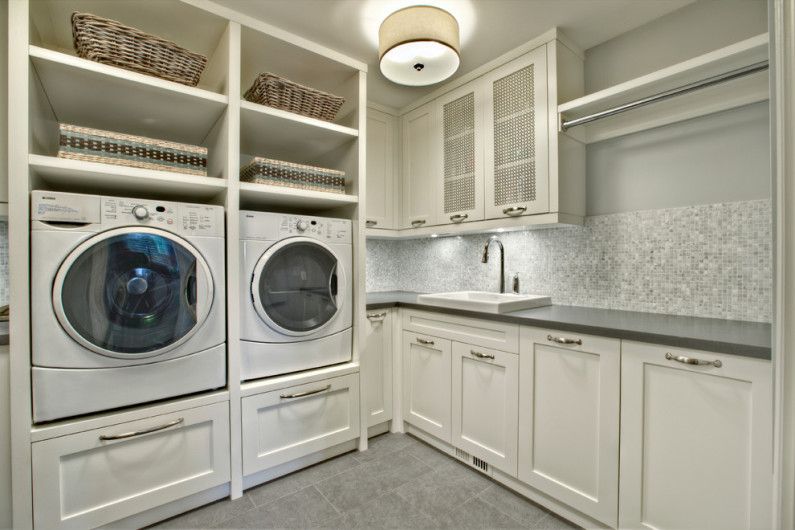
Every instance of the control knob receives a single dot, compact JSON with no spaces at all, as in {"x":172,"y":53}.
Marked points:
{"x":140,"y":212}
{"x":301,"y":225}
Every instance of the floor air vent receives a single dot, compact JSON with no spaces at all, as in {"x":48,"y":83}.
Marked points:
{"x":473,"y":461}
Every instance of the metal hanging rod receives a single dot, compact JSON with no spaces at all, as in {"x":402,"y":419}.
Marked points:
{"x":691,"y":87}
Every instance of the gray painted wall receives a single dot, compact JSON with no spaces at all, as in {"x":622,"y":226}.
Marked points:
{"x":722,"y":157}
{"x":695,"y":29}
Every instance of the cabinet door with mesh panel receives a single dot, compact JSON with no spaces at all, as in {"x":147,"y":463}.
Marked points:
{"x":460,"y":177}
{"x":516,"y":137}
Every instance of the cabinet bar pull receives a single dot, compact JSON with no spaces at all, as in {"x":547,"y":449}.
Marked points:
{"x":307,"y":393}
{"x":370,"y":222}
{"x":426,"y":342}
{"x":692,"y":360}
{"x":459,"y":217}
{"x":564,"y":340}
{"x":376,"y":317}
{"x":481,"y":355}
{"x":515,"y":210}
{"x":417,"y":223}
{"x":106,"y":437}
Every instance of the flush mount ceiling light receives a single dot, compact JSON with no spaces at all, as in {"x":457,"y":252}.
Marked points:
{"x":419,"y":46}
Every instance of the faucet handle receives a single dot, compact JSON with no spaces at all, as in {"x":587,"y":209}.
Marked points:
{"x":516,"y":283}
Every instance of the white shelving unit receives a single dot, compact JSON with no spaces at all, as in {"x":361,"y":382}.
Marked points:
{"x":736,"y":93}
{"x":51,"y":85}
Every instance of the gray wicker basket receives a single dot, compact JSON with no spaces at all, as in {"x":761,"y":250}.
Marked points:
{"x":290,"y":175}
{"x":280,"y":93}
{"x":96,"y":145}
{"x":109,"y":42}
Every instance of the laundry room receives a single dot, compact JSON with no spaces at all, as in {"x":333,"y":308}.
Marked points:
{"x":396,"y":264}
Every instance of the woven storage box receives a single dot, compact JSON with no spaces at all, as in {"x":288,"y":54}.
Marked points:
{"x":109,"y":42}
{"x":280,"y":93}
{"x":94,"y":145}
{"x":279,"y":173}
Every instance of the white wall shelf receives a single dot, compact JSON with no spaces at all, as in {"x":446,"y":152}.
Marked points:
{"x":91,"y":94}
{"x":93,"y":177}
{"x":275,"y":133}
{"x":260,"y":196}
{"x":744,"y":91}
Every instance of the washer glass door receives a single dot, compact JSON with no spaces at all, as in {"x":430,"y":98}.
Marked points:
{"x":132,"y":292}
{"x":296,"y":286}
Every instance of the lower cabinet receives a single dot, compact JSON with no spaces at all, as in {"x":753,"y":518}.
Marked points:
{"x":426,"y":384}
{"x":286,"y":424}
{"x":485,"y":406}
{"x":569,"y":393}
{"x":376,"y":366}
{"x":96,"y":477}
{"x":696,"y":440}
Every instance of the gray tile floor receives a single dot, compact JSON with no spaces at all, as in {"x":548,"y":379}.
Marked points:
{"x":399,"y":482}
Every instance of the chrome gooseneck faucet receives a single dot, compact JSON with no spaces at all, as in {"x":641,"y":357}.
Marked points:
{"x":485,"y":259}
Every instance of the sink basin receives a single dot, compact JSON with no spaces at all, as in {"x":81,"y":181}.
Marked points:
{"x":485,"y":301}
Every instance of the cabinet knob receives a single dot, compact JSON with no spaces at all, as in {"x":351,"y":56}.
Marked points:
{"x":417,"y":223}
{"x":376,"y":317}
{"x":514,"y":210}
{"x":480,"y":355}
{"x":370,"y":223}
{"x":425,"y":342}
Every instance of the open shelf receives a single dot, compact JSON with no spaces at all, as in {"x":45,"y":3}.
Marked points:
{"x":735,"y":93}
{"x":93,"y":177}
{"x":262,"y":195}
{"x":90,"y":94}
{"x":275,"y":133}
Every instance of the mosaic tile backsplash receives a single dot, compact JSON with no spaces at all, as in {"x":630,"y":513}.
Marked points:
{"x":711,"y":260}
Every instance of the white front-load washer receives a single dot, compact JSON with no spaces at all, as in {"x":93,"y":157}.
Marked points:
{"x":127,"y":302}
{"x":296,"y":274}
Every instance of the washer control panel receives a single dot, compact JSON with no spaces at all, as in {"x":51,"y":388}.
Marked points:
{"x":182,"y":218}
{"x":324,"y":228}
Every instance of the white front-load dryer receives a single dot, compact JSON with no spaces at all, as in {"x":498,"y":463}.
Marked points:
{"x":296,"y":293}
{"x":127,"y":302}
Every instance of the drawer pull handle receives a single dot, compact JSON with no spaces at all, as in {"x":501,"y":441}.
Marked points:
{"x":106,"y":437}
{"x":515,"y":210}
{"x":426,"y":342}
{"x":564,"y":340}
{"x":307,"y":393}
{"x":482,"y":355}
{"x":376,"y":317}
{"x":692,"y":360}
{"x":370,"y":223}
{"x":417,"y":223}
{"x":459,"y":218}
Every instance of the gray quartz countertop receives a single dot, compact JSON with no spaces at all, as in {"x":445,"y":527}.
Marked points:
{"x":734,"y":337}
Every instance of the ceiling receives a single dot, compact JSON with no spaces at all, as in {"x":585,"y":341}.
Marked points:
{"x":489,"y":28}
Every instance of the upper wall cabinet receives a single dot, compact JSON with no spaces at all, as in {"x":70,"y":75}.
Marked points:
{"x":381,"y":174}
{"x":459,"y":177}
{"x":516,"y":137}
{"x":420,"y":155}
{"x":487,"y":153}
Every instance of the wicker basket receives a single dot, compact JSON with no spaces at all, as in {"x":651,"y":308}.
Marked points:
{"x":95,"y":145}
{"x":109,"y":42}
{"x":280,"y":93}
{"x":288,"y":174}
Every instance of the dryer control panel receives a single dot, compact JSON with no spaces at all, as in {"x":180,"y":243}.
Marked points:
{"x":182,"y":218}
{"x":277,"y":226}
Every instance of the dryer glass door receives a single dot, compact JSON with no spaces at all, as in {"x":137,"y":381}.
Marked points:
{"x":296,"y":286}
{"x":132,"y":292}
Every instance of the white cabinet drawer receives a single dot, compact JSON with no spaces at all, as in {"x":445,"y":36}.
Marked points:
{"x":286,"y":424}
{"x":89,"y":479}
{"x":478,"y":332}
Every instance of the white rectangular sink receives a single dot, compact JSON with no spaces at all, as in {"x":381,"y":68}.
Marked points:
{"x":485,"y":301}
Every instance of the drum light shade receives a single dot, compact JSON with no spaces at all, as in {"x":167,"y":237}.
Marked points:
{"x":419,"y":46}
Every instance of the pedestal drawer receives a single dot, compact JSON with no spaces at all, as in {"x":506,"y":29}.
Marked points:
{"x":286,"y":424}
{"x":95,"y":477}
